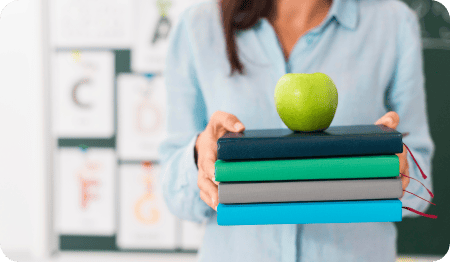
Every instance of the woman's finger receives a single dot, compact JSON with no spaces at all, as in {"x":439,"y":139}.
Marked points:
{"x":223,"y":122}
{"x":231,"y":123}
{"x":405,"y":179}
{"x":206,"y":146}
{"x":208,"y":162}
{"x":405,"y":183}
{"x":390,"y":119}
{"x":205,"y":197}
{"x":209,"y":191}
{"x":207,"y":156}
{"x":404,"y":169}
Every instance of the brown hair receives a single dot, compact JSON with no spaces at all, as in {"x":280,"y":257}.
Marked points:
{"x":241,"y":15}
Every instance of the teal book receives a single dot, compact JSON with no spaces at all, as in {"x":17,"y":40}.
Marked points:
{"x":310,"y":212}
{"x":308,"y":169}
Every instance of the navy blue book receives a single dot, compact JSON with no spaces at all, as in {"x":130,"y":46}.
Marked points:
{"x":335,"y":141}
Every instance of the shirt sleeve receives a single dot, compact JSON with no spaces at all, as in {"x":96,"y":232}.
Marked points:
{"x":185,"y":118}
{"x":407,"y":97}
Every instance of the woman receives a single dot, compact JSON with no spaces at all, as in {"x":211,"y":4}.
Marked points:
{"x":221,"y":71}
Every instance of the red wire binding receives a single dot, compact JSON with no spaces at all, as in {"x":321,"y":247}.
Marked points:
{"x":429,"y":191}
{"x":420,"y":213}
{"x":421,"y":171}
{"x":424,"y":177}
{"x":418,"y":196}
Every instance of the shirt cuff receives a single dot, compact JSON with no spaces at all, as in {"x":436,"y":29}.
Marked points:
{"x":189,"y":163}
{"x":192,"y":176}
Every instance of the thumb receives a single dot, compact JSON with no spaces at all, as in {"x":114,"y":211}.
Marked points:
{"x":238,"y":127}
{"x":231,"y":123}
{"x":390,"y":119}
{"x":228,"y":122}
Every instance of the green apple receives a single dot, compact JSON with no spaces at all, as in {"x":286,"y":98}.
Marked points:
{"x":306,"y":102}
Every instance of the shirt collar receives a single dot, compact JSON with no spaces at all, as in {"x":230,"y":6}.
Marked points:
{"x":346,"y":13}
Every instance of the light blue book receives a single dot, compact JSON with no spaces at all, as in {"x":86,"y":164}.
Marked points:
{"x":310,"y":212}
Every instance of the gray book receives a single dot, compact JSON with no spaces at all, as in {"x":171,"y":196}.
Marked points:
{"x":318,"y":190}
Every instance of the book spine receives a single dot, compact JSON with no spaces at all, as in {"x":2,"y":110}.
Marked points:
{"x":267,"y":148}
{"x":307,"y":169}
{"x":296,"y":191}
{"x":310,"y":212}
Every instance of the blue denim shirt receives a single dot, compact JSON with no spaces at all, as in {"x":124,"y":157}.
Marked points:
{"x":372,"y":51}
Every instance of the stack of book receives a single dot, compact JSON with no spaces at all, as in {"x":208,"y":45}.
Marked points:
{"x":345,"y":174}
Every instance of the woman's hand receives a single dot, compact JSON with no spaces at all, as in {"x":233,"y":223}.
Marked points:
{"x":206,"y":146}
{"x":391,"y":119}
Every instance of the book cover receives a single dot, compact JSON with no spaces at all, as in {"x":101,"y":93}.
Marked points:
{"x":317,"y":190}
{"x":308,"y":169}
{"x":310,"y":212}
{"x":334,"y":141}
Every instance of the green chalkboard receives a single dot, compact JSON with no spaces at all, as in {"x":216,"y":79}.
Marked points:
{"x":423,"y":235}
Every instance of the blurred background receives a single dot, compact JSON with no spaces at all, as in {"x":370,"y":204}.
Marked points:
{"x":82,"y":107}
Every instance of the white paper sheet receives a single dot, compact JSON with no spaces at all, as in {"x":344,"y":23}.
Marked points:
{"x":145,"y":221}
{"x":141,"y":116}
{"x":92,"y":23}
{"x":85,"y":192}
{"x":155,"y":19}
{"x":83,"y":94}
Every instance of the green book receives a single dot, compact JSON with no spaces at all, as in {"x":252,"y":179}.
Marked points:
{"x":307,"y":169}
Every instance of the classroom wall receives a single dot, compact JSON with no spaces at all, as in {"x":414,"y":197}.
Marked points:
{"x":22,"y":124}
{"x":26,"y":147}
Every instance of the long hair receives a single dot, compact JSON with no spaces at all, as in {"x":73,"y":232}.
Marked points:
{"x":241,"y":15}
